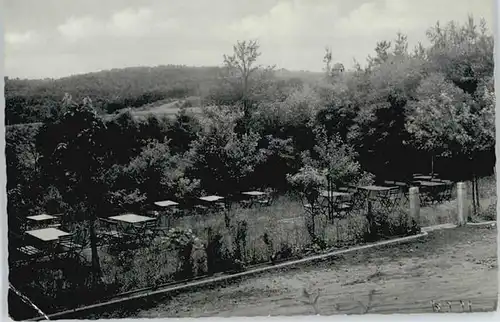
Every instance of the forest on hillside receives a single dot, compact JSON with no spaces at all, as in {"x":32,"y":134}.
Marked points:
{"x":32,"y":101}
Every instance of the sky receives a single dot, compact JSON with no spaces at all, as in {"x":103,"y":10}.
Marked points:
{"x":57,"y":38}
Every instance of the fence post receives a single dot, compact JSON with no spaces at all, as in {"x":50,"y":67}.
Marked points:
{"x":463,"y":208}
{"x":414,"y":204}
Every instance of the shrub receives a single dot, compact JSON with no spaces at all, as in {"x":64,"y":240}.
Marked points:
{"x":241,"y":241}
{"x":285,"y":252}
{"x":184,"y":242}
{"x":490,"y":213}
{"x":220,"y":256}
{"x":383,"y":226}
{"x":308,"y":181}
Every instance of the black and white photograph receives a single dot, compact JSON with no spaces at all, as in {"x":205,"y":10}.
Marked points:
{"x":237,"y":158}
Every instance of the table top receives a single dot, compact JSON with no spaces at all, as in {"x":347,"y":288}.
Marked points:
{"x":211,"y":198}
{"x":334,"y":194}
{"x":431,"y":183}
{"x":254,"y":193}
{"x":131,"y":218}
{"x":378,"y":188}
{"x":422,"y":177}
{"x":166,"y":203}
{"x":47,"y":234}
{"x":41,"y":217}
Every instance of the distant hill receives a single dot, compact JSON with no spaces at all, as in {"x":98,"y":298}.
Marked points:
{"x":111,"y":90}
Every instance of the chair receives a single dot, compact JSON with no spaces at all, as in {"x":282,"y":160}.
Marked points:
{"x":444,"y":192}
{"x":314,"y":209}
{"x":268,"y":199}
{"x":148,"y":228}
{"x":30,"y":251}
{"x":405,"y":189}
{"x":201,"y":209}
{"x":246,"y":203}
{"x":27,"y":254}
{"x":109,"y":231}
{"x":72,"y":244}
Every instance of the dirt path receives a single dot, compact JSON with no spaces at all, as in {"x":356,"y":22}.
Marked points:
{"x":448,"y":265}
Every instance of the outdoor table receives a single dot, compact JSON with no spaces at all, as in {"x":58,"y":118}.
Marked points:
{"x":165,"y":219}
{"x":41,"y":217}
{"x":433,"y":190}
{"x":131,"y":218}
{"x":334,"y":194}
{"x":382,"y":195}
{"x":47,"y":238}
{"x":422,"y":177}
{"x":211,"y":198}
{"x":431,"y":183}
{"x":334,"y":202}
{"x":215,"y":200}
{"x":377,"y":190}
{"x":47,"y":234}
{"x":166,"y":203}
{"x":40,"y":221}
{"x":135,"y":224}
{"x":254,"y":195}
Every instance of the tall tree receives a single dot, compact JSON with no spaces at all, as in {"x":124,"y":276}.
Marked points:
{"x":452,"y":123}
{"x":244,"y":74}
{"x":401,"y":45}
{"x":463,"y":53}
{"x":73,"y":159}
{"x":241,"y":63}
{"x":382,"y":51}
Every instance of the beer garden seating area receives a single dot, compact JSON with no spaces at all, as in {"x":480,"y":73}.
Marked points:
{"x":46,"y":236}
